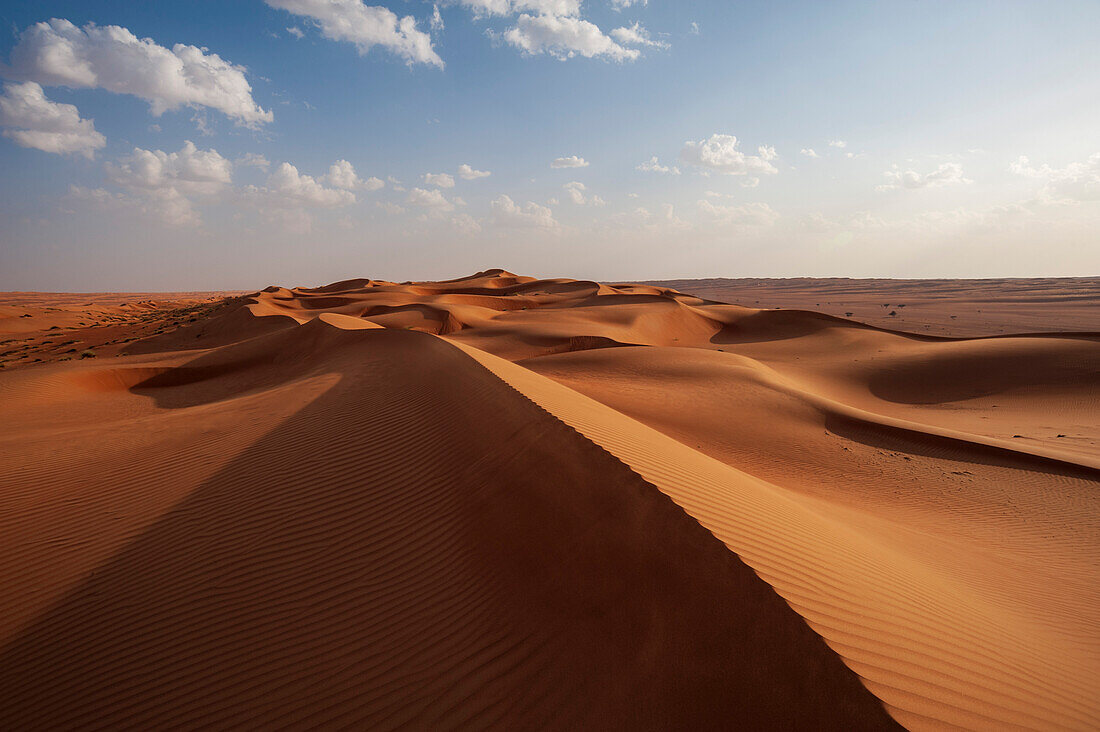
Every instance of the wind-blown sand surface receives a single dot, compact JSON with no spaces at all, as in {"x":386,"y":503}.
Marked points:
{"x":506,"y":502}
{"x":931,"y":307}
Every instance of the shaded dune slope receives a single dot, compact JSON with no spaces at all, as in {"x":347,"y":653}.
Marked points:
{"x":508,"y":502}
{"x":418,"y":545}
{"x":932,"y":649}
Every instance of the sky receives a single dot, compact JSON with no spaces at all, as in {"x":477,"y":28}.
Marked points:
{"x":199,"y":145}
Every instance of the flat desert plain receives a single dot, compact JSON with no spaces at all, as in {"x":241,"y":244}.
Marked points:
{"x":519,"y":503}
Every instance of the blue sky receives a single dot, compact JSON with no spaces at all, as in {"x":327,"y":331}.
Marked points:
{"x":305,"y":141}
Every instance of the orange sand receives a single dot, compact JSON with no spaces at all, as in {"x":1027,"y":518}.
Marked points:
{"x":517,"y":503}
{"x":958,"y":308}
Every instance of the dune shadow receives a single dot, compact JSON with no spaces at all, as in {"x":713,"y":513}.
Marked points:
{"x":422,"y":547}
{"x":926,"y":444}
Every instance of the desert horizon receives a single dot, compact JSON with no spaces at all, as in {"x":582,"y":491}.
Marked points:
{"x":550,"y":365}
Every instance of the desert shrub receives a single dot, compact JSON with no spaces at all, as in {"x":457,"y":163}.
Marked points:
{"x":87,"y":354}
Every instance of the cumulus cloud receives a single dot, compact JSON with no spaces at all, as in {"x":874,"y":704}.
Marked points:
{"x":719,"y":153}
{"x":505,"y":212}
{"x":287,"y":187}
{"x":465,"y":172}
{"x":838,"y":143}
{"x":620,"y":4}
{"x":570,"y":162}
{"x":654,"y":166}
{"x":163,"y":184}
{"x":636,"y":35}
{"x":166,"y":205}
{"x":440,"y":180}
{"x":436,"y":21}
{"x":366,"y":26}
{"x":1075,"y":182}
{"x":945,"y":175}
{"x":433,"y":200}
{"x":483,"y":8}
{"x":466,"y":224}
{"x":295,"y":31}
{"x":744,"y":215}
{"x":341,"y":174}
{"x":31,"y":120}
{"x":253,"y":160}
{"x":577,"y":193}
{"x":565,"y":37}
{"x":809,"y":152}
{"x":57,"y":53}
{"x":188,"y":171}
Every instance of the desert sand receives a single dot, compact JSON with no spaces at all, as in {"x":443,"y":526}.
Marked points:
{"x":957,"y":308}
{"x":520,"y":503}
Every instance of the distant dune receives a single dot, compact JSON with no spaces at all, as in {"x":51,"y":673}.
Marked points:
{"x":506,"y":502}
{"x":936,"y":307}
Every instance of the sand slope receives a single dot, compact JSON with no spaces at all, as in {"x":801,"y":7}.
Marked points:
{"x":507,"y":502}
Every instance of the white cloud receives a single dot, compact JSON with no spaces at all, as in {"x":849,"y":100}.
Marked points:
{"x":945,"y":175}
{"x":466,"y":224}
{"x":57,"y":53}
{"x":570,"y":162}
{"x":190,"y":171}
{"x":295,"y":31}
{"x":253,"y":160}
{"x":440,"y":180}
{"x":565,"y":37}
{"x":505,"y":212}
{"x":575,"y":189}
{"x":436,"y":21}
{"x":433,"y":200}
{"x":32,"y":120}
{"x":366,"y":26}
{"x":620,"y":4}
{"x":166,"y":205}
{"x":163,"y":184}
{"x":465,"y":172}
{"x":838,"y":143}
{"x":747,"y":214}
{"x":341,"y":174}
{"x":482,"y":8}
{"x":694,"y":28}
{"x":636,"y":35}
{"x":809,"y":152}
{"x":719,"y":153}
{"x":286,"y":186}
{"x":391,"y":208}
{"x":654,"y":166}
{"x":1075,"y":182}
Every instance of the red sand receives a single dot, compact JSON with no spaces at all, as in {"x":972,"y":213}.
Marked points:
{"x":517,"y":503}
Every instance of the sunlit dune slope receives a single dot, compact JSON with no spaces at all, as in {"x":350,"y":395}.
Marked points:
{"x":509,"y":502}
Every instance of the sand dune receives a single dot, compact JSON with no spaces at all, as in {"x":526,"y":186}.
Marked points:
{"x":499,"y":501}
{"x":932,"y":307}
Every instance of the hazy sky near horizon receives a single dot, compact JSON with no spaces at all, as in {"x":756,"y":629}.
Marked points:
{"x":229,"y":145}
